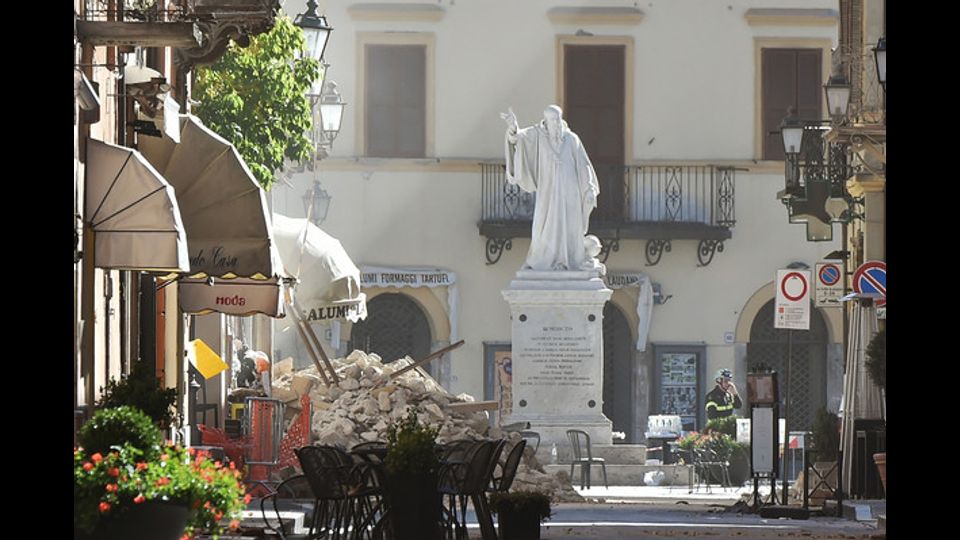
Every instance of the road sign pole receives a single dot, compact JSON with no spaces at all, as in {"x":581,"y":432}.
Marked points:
{"x":786,"y":417}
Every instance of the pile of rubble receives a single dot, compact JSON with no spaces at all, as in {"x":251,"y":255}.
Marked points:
{"x":367,"y":400}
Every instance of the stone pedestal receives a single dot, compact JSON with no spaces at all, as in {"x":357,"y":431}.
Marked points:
{"x":557,"y":324}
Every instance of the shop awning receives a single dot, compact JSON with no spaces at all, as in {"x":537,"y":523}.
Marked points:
{"x":132,"y":211}
{"x":224,"y":209}
{"x":328,"y":282}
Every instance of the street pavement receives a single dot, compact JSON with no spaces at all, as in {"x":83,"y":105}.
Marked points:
{"x":658,"y":512}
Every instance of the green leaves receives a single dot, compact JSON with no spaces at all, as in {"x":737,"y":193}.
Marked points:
{"x":255,"y":97}
{"x":411,"y":446}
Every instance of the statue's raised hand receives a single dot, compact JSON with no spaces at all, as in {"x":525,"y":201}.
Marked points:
{"x":511,"y":119}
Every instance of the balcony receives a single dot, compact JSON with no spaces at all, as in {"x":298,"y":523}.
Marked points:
{"x":201,"y":30}
{"x":659,"y":203}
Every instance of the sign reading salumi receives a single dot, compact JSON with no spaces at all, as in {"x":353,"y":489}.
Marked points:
{"x":323,"y":313}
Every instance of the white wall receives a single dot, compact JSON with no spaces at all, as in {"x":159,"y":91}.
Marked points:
{"x":694,"y":91}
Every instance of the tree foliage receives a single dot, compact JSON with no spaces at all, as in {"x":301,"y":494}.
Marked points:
{"x":255,"y":97}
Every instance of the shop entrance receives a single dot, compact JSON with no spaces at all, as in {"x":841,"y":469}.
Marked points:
{"x":395,"y":327}
{"x":618,"y":404}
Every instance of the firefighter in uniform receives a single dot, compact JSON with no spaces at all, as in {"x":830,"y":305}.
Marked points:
{"x":723,"y":399}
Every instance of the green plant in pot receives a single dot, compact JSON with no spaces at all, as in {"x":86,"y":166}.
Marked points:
{"x":520,"y":513}
{"x":141,"y":389}
{"x":411,"y":483}
{"x":129,"y":484}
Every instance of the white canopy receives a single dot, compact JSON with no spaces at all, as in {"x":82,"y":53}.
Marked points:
{"x":132,"y":211}
{"x":224,"y":209}
{"x":329,"y":282}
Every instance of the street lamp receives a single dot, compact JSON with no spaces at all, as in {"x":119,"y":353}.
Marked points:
{"x":880,"y":55}
{"x":837,"y":90}
{"x":315,"y":30}
{"x":791,"y":129}
{"x":316,"y":203}
{"x":331,"y":112}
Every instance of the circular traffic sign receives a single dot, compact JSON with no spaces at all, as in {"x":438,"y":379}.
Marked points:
{"x":829,"y":274}
{"x":794,"y":286}
{"x":871,"y":277}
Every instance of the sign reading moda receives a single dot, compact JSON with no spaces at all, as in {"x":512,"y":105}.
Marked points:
{"x":792,"y":309}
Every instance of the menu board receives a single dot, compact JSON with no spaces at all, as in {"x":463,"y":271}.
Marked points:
{"x":678,"y":387}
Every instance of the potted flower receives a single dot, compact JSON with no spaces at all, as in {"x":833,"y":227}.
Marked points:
{"x":153,"y":492}
{"x":876,"y":365}
{"x":411,"y":482}
{"x":520,"y":513}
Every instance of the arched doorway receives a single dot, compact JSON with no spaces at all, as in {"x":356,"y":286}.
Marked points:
{"x":395,"y":327}
{"x":618,"y":371}
{"x":808,"y":375}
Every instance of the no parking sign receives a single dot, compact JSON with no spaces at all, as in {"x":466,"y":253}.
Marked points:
{"x":792,"y":310}
{"x":871,"y":277}
{"x":828,"y":284}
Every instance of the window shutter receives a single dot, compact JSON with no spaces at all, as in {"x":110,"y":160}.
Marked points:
{"x":395,"y":100}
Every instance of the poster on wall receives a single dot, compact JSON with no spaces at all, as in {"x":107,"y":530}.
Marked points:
{"x":678,"y":387}
{"x":503,"y":380}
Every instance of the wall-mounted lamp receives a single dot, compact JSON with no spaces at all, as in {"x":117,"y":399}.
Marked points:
{"x":658,"y":297}
{"x":880,"y":56}
{"x":316,"y":203}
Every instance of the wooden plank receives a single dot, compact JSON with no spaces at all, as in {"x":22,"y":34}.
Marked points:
{"x":316,"y":341}
{"x":143,"y":34}
{"x":313,"y":354}
{"x":474,"y":406}
{"x":430,"y":357}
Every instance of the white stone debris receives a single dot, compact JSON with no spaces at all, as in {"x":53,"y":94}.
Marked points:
{"x":364,"y":403}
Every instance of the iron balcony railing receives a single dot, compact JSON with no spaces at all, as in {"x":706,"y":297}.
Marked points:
{"x":694,"y":194}
{"x":658,"y":203}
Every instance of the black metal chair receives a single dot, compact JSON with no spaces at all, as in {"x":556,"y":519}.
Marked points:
{"x":508,"y":469}
{"x":580,"y":441}
{"x":706,"y":461}
{"x":348,"y":494}
{"x":469,"y":477}
{"x":532,"y":436}
{"x":293,"y":494}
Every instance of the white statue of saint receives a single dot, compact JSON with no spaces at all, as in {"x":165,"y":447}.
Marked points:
{"x":550,"y":159}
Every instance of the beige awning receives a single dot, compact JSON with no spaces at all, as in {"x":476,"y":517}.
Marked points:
{"x":132,"y":211}
{"x":224,"y":209}
{"x":328,"y":285}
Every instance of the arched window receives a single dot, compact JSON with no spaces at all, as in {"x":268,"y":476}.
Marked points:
{"x":808,"y":380}
{"x":395,"y":327}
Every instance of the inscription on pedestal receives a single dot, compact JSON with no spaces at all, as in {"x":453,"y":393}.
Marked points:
{"x":557,"y":356}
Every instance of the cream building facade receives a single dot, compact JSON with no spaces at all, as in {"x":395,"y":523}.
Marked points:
{"x":693,"y":97}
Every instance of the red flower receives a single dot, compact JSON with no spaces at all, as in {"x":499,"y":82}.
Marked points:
{"x":247,"y":498}
{"x":162,"y":481}
{"x":88,"y":466}
{"x":206,"y":504}
{"x":104,"y":507}
{"x":232,"y":466}
{"x":139,"y":499}
{"x":235,"y":524}
{"x":111,"y":488}
{"x":97,"y":458}
{"x":114,"y":472}
{"x":191,"y":450}
{"x":218,"y":516}
{"x":186,"y":536}
{"x":164,"y":457}
{"x":142,"y":466}
{"x":217,"y":464}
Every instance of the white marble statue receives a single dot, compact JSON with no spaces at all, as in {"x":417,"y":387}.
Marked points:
{"x":550,"y":159}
